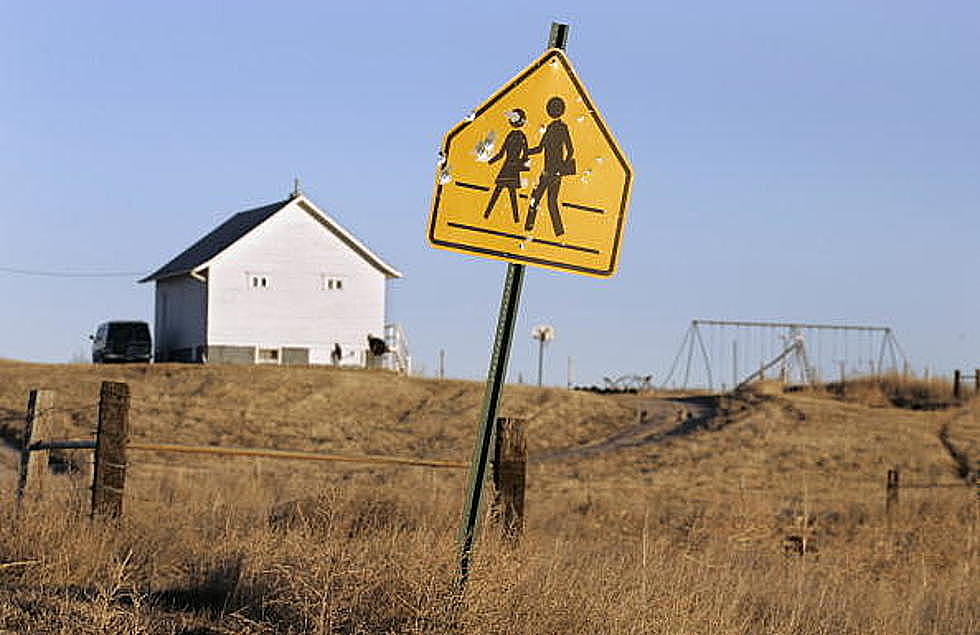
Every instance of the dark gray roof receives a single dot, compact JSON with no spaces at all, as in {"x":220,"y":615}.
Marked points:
{"x":217,"y":241}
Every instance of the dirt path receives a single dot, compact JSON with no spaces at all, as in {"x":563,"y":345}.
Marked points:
{"x":967,"y":468}
{"x":658,"y":419}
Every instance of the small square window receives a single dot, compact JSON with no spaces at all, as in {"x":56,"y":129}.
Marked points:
{"x":333,"y":283}
{"x":259,"y":281}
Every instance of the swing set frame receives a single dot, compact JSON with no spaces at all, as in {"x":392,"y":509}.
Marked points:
{"x":794,"y":351}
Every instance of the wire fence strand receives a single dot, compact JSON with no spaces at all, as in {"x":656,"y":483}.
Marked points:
{"x":296,"y":455}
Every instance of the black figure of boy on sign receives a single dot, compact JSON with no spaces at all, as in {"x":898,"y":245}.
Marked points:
{"x":558,"y":162}
{"x":515,"y":150}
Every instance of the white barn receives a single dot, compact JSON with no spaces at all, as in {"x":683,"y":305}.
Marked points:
{"x":282,"y":284}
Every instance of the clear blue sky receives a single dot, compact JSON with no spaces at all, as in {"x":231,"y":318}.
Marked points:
{"x":793,"y":161}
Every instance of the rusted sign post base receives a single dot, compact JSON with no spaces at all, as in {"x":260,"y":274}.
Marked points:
{"x":112,"y":435}
{"x":509,"y":475}
{"x":34,"y":464}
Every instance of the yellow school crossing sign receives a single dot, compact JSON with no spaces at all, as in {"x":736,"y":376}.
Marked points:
{"x":534,"y":176}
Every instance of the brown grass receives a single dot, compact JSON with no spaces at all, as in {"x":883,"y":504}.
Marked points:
{"x":687,"y":535}
{"x":902,"y":392}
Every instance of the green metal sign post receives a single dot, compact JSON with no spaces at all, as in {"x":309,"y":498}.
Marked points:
{"x":509,"y":303}
{"x":491,"y":400}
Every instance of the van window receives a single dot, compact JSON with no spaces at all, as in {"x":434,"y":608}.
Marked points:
{"x":129,"y":331}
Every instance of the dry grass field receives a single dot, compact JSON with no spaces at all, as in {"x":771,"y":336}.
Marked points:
{"x":645,"y":513}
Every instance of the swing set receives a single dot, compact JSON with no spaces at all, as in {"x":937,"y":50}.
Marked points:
{"x":731,"y":354}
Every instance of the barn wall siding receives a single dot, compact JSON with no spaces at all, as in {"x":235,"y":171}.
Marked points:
{"x":295,"y":253}
{"x":179,"y":325}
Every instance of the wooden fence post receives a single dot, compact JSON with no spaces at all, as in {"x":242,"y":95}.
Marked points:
{"x":34,"y":465}
{"x":509,"y":474}
{"x":112,"y":435}
{"x":956,"y":384}
{"x":891,"y":491}
{"x":976,"y":381}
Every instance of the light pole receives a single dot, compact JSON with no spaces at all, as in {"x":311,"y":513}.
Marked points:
{"x":542,"y":333}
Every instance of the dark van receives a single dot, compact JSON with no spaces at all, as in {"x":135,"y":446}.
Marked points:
{"x":121,"y":342}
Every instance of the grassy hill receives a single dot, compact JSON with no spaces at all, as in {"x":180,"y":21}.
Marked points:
{"x":646,"y":513}
{"x":306,"y":408}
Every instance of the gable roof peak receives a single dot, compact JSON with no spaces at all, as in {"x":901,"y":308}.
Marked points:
{"x":202,"y":252}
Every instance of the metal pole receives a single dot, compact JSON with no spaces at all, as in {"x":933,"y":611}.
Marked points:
{"x":881,"y":354}
{"x":891,"y":350}
{"x":734,"y":363}
{"x":677,"y":357}
{"x":761,"y":373}
{"x":558,"y":37}
{"x":704,"y":355}
{"x":491,"y":399}
{"x":798,"y":325}
{"x":690,"y":354}
{"x":442,"y":363}
{"x":568,"y":382}
{"x":540,"y":358}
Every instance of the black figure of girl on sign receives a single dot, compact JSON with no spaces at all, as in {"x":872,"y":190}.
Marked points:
{"x":515,"y":151}
{"x":558,"y":162}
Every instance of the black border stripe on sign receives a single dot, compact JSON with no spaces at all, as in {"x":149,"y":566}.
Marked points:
{"x":494,"y":232}
{"x":584,"y":208}
{"x":472,"y":186}
{"x":493,"y":253}
{"x":487,"y":231}
{"x":588,"y":250}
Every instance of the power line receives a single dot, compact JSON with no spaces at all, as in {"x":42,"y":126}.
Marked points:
{"x":71,"y":274}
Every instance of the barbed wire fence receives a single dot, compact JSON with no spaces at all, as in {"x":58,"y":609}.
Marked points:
{"x":102,"y":475}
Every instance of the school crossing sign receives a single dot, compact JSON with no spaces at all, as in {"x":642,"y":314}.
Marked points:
{"x":534,"y":176}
